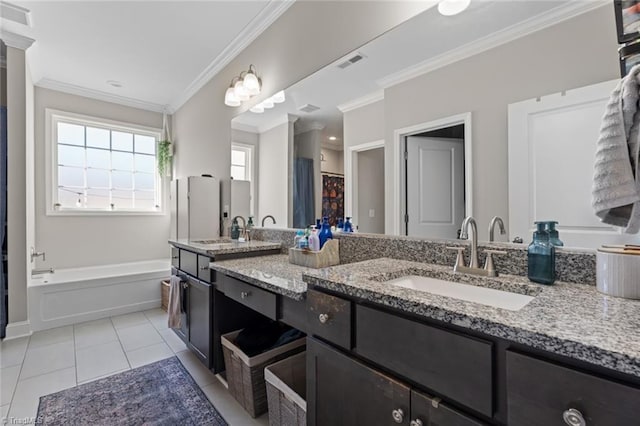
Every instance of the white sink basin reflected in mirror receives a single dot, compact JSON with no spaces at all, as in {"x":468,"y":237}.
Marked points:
{"x":466,"y":292}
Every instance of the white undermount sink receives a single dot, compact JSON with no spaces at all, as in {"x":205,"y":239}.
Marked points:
{"x":467,"y":292}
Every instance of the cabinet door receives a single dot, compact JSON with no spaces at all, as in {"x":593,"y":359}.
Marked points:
{"x":200,"y":320}
{"x":343,"y":391}
{"x":430,"y":411}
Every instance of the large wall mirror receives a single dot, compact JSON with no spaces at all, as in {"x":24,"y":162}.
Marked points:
{"x":411,"y":132}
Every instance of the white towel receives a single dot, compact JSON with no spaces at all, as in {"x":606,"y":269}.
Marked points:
{"x":616,"y":181}
{"x":175,"y":302}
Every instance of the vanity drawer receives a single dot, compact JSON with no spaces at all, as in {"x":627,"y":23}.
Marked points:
{"x":175,"y":257}
{"x":431,"y":411}
{"x":189,"y":262}
{"x":542,"y":393}
{"x":255,"y":298}
{"x":329,"y":317}
{"x":204,"y":273}
{"x":451,"y":365}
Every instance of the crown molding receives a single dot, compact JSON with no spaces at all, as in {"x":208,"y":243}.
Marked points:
{"x":561,"y":13}
{"x":101,"y":96}
{"x":370,"y":98}
{"x":267,"y":16}
{"x":244,"y":127}
{"x":16,"y":40}
{"x":15,"y":13}
{"x":283,"y":119}
{"x":304,"y":127}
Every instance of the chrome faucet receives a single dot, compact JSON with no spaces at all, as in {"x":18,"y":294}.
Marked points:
{"x":473,"y":268}
{"x":244,"y":226}
{"x":35,"y":254}
{"x":473,"y":257}
{"x":272,"y":218}
{"x":492,"y":225}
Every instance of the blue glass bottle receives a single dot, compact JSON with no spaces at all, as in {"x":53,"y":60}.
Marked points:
{"x":541,"y":257}
{"x":325,"y":233}
{"x":340,"y":225}
{"x":554,"y":236}
{"x":348,"y":226}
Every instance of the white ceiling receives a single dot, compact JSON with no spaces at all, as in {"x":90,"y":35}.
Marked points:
{"x":423,"y":40}
{"x":161,"y":51}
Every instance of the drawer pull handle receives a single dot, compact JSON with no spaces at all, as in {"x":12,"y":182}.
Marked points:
{"x":573,"y":417}
{"x":323,"y":318}
{"x":416,"y":422}
{"x":204,"y":268}
{"x":174,"y":257}
{"x":245,"y":294}
{"x":398,"y":415}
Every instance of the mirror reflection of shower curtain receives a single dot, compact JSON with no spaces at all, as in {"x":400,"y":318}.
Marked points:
{"x":303,"y":193}
{"x":3,"y":221}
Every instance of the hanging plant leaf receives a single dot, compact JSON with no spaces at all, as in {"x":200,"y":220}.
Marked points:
{"x":164,"y":157}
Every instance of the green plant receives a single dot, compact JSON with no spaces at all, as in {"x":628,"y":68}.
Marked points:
{"x":164,"y":156}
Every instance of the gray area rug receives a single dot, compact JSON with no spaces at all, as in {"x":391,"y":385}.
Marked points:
{"x":162,"y":393}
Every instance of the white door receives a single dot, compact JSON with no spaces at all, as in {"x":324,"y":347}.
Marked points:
{"x":552,"y":144}
{"x":435,"y":186}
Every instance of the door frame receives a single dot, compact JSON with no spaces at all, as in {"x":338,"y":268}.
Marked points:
{"x":351,"y":172}
{"x":399,"y":179}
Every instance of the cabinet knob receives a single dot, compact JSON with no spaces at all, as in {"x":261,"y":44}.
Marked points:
{"x":573,"y":417}
{"x":185,"y":285}
{"x":416,"y":422}
{"x":323,"y":318}
{"x":174,"y":257}
{"x":244,"y":294}
{"x":398,"y":415}
{"x":204,"y":268}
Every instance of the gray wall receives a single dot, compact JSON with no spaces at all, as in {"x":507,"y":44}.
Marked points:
{"x":364,"y":124}
{"x":324,"y":31}
{"x":73,"y":241}
{"x":371,"y":191}
{"x":16,"y":184}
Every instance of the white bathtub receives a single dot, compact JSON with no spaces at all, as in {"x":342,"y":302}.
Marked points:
{"x":74,"y":295}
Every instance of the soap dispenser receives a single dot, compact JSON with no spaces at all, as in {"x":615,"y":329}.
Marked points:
{"x":235,"y":229}
{"x":541,"y":257}
{"x":554,"y":236}
{"x":348,"y":226}
{"x":325,"y":232}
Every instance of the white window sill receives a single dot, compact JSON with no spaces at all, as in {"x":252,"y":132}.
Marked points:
{"x":83,"y":212}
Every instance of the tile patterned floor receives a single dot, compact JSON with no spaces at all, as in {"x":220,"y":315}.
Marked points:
{"x":52,"y":360}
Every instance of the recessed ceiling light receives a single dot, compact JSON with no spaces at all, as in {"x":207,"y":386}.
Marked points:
{"x":114,"y":83}
{"x":452,"y":7}
{"x":332,"y":138}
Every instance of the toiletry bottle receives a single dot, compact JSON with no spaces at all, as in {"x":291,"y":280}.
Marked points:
{"x":318,"y":225}
{"x":554,"y":236}
{"x":325,"y":233}
{"x":541,"y":257}
{"x":348,"y":226}
{"x":297,"y":238}
{"x":340,"y":226}
{"x":250,"y":226}
{"x":235,"y":230}
{"x":303,"y":244}
{"x":314,"y":240}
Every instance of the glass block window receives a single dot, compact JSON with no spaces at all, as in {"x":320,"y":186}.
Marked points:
{"x":102,"y":166}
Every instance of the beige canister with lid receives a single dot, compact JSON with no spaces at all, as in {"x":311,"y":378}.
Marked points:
{"x":618,"y":271}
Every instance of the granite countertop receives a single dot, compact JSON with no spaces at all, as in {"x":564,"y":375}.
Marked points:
{"x":573,"y":320}
{"x":273,"y":273}
{"x":224,"y":246}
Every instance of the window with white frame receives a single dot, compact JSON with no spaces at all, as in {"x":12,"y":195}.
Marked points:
{"x":241,"y":162}
{"x":102,"y":166}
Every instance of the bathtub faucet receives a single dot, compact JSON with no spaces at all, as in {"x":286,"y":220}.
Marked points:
{"x":42,"y":271}
{"x":35,"y":254}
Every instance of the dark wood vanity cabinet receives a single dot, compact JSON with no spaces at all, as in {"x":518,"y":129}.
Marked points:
{"x":344,"y":391}
{"x":367,"y":364}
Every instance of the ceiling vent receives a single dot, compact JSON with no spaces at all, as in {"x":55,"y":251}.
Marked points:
{"x":352,"y":59}
{"x":14,"y":13}
{"x":308,"y":108}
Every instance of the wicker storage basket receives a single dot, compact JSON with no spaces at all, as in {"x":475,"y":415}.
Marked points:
{"x":245,"y":375}
{"x":164,"y":295}
{"x":286,"y":391}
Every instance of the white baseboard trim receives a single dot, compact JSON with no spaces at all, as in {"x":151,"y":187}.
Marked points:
{"x":18,"y":329}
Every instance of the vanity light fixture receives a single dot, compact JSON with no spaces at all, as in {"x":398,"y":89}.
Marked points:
{"x":268,"y":103}
{"x":279,"y":97}
{"x":258,"y":109}
{"x":243,"y":88}
{"x":452,"y":7}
